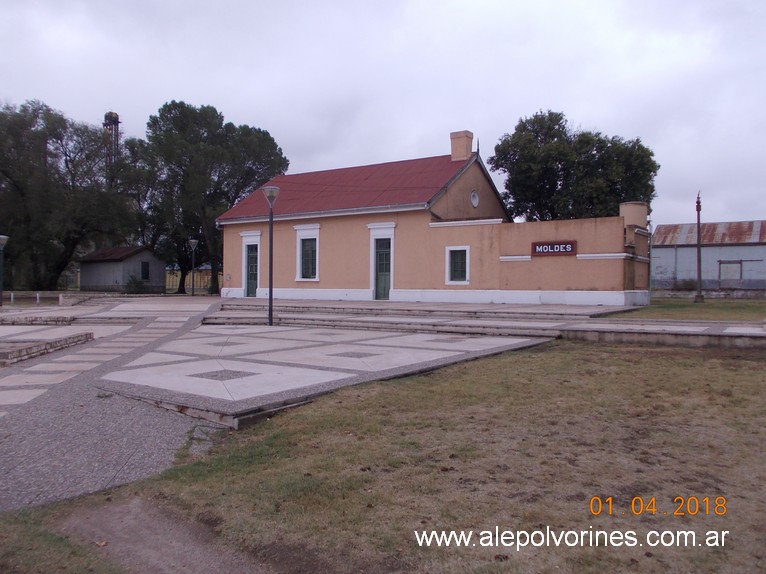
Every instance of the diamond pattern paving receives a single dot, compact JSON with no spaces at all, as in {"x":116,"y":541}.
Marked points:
{"x":224,"y":379}
{"x":355,"y":355}
{"x":223,"y":375}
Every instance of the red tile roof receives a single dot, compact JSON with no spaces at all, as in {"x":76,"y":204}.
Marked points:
{"x":730,"y":233}
{"x":395,"y":184}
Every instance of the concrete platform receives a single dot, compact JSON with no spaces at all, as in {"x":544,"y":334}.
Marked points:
{"x":585,"y":323}
{"x":70,"y":422}
{"x":229,"y":375}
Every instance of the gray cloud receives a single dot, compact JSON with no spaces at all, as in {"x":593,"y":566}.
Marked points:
{"x":342,"y":83}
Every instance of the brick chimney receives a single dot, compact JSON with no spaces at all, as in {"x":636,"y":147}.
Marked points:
{"x":462,"y":145}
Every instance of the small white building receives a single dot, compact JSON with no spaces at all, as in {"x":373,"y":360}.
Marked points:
{"x":122,"y":269}
{"x":733,"y":256}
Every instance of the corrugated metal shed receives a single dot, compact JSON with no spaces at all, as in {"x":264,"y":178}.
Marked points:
{"x":730,"y":233}
{"x":400,"y":183}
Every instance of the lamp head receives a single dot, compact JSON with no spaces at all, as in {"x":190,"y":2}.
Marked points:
{"x":271,"y":192}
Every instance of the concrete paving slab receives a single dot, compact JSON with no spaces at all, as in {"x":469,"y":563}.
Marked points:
{"x":86,"y":356}
{"x":19,"y":396}
{"x":513,"y":323}
{"x":62,"y":366}
{"x":655,"y":327}
{"x":21,"y":379}
{"x":157,"y":306}
{"x":139,"y":336}
{"x":102,"y":331}
{"x":157,"y":359}
{"x":122,"y":349}
{"x":319,"y":335}
{"x":459,"y":343}
{"x":388,"y":319}
{"x":273,"y":331}
{"x":47,"y":332}
{"x":226,"y":346}
{"x":362,"y":358}
{"x":20,"y":331}
{"x":225,"y":379}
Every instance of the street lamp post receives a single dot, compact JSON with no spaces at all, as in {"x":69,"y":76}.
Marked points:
{"x":271,"y":192}
{"x":193,"y":244}
{"x":699,"y":298}
{"x":3,"y":241}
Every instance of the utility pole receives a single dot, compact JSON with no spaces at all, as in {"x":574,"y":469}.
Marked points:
{"x":699,"y":298}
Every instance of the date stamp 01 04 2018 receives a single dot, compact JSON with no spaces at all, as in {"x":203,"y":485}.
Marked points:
{"x":683,"y":506}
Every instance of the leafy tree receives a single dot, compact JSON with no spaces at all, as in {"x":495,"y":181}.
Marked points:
{"x":193,"y":167}
{"x":53,"y":193}
{"x":556,"y":173}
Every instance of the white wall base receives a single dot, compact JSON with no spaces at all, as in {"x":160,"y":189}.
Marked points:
{"x":232,"y":292}
{"x":617,"y":298}
{"x":315,"y":294}
{"x":323,"y":294}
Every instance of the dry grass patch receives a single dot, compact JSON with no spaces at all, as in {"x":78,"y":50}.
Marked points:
{"x":710,"y":310}
{"x":28,"y":544}
{"x":521,"y":441}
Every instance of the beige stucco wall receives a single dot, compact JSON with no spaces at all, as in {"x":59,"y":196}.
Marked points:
{"x":597,"y":236}
{"x":456,"y":204}
{"x":232,"y":255}
{"x":420,"y":254}
{"x":344,"y":249}
{"x":424,"y":267}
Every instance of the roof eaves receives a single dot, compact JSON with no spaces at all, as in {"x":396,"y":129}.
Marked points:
{"x":113,"y":255}
{"x":332,"y":213}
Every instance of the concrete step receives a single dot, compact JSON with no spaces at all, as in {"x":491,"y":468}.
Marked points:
{"x":33,"y":320}
{"x":115,"y":320}
{"x":370,"y":323}
{"x":246,"y":308}
{"x":14,"y":351}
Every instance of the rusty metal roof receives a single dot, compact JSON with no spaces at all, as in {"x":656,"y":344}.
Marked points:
{"x":395,"y":184}
{"x":729,"y":233}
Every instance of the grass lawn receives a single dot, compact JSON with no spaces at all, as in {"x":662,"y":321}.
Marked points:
{"x":710,"y":310}
{"x":522,"y":441}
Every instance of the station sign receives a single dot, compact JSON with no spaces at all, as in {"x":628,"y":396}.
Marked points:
{"x":554,"y":248}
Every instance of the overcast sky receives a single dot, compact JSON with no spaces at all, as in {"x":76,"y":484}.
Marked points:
{"x":344,"y":83}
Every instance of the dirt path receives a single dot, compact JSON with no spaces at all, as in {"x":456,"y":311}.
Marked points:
{"x":144,"y":538}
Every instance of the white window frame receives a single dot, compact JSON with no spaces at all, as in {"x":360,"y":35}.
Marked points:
{"x":308,"y":231}
{"x":447,"y":267}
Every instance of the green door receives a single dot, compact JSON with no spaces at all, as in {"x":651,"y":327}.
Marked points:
{"x":382,"y":268}
{"x":252,"y":270}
